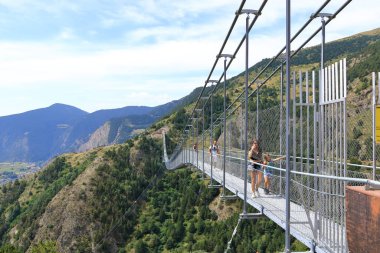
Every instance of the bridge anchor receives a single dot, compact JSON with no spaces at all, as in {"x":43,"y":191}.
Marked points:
{"x":213,"y":186}
{"x":228,"y":197}
{"x":252,"y":216}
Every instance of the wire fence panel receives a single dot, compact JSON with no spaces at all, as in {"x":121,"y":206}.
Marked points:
{"x":332,"y":144}
{"x":330,"y":139}
{"x":331,"y":156}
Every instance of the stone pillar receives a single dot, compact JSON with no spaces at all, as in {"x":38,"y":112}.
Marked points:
{"x":363,"y":219}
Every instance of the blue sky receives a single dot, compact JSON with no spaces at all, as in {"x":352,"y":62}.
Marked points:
{"x":109,"y":54}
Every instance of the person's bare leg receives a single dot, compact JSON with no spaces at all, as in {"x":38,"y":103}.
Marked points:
{"x":253,"y":181}
{"x":259,"y":179}
{"x":266,"y":182}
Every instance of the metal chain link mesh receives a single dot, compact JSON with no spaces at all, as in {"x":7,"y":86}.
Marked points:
{"x":318,"y":204}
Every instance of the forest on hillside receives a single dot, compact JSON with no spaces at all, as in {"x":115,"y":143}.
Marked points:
{"x":130,"y":212}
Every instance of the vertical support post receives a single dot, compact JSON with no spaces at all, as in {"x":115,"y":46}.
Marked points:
{"x":322,"y":109}
{"x":193,"y":142}
{"x":246,"y":114}
{"x":315,"y":130}
{"x":341,"y":186}
{"x":301,"y":120}
{"x":323,"y":33}
{"x":345,"y":116}
{"x":190,"y":146}
{"x":224,"y":127}
{"x":345,"y":134}
{"x":320,"y":164}
{"x":323,"y":42}
{"x":374,"y":125}
{"x":211,"y":128}
{"x":307,"y":100}
{"x":287,"y":190}
{"x":187,"y":148}
{"x":294,"y":141}
{"x":211,"y":141}
{"x":257,"y":112}
{"x":203,"y":143}
{"x":281,"y":116}
{"x":255,"y":12}
{"x":196,"y":142}
{"x":224,"y":117}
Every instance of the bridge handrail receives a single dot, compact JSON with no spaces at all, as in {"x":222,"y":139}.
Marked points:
{"x":369,"y":182}
{"x":312,"y":159}
{"x":347,"y":179}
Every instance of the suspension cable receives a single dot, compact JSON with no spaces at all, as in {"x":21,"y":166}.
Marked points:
{"x":221,"y":50}
{"x":292,"y":55}
{"x":232,"y":236}
{"x":238,"y":48}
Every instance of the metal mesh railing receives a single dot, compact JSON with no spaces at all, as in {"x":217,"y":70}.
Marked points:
{"x":330,"y":140}
{"x":330,"y":143}
{"x":318,"y":195}
{"x":359,"y":143}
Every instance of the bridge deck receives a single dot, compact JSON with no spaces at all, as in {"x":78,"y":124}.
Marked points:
{"x":302,"y":220}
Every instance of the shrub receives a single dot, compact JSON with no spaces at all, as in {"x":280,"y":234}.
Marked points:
{"x":357,"y":133}
{"x":45,"y":247}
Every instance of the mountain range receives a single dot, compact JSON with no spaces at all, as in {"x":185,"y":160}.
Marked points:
{"x":38,"y":135}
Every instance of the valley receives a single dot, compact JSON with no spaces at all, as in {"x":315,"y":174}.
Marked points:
{"x":16,"y":170}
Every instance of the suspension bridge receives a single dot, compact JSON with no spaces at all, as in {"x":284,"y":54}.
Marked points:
{"x":309,"y":128}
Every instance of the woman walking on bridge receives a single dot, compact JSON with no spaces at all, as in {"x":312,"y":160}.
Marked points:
{"x":214,"y":151}
{"x":255,"y":157}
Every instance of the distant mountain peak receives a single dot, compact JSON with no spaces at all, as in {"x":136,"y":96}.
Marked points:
{"x":64,"y":106}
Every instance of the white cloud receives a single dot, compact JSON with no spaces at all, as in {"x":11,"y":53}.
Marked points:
{"x":66,"y":34}
{"x":29,"y":6}
{"x":181,"y":40}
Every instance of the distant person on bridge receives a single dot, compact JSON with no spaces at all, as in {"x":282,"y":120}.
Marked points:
{"x":255,"y":157}
{"x":214,"y":151}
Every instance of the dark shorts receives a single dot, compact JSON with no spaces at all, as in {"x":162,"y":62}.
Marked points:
{"x":257,"y":167}
{"x":253,"y":167}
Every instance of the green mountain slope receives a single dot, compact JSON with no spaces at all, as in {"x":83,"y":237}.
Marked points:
{"x":76,"y":199}
{"x":97,"y":206}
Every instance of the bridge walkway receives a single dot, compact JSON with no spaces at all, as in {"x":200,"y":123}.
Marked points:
{"x":302,"y":221}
